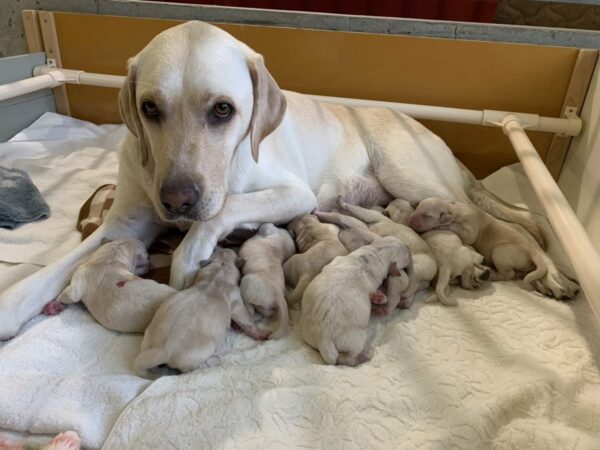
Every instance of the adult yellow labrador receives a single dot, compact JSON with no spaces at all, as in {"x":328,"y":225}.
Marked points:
{"x":214,"y":144}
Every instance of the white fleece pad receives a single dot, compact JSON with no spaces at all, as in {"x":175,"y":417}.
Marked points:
{"x":67,"y":159}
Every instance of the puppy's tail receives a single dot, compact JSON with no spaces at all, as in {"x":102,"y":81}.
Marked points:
{"x":541,"y":268}
{"x":442,"y":284}
{"x":149,"y":359}
{"x":293,"y":296}
{"x":328,"y":351}
{"x":502,"y":210}
{"x":283,"y":326}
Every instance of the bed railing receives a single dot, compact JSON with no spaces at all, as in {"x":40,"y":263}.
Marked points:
{"x":569,"y":231}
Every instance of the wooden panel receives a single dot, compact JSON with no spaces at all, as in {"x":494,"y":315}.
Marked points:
{"x":19,"y":112}
{"x":52,"y":49}
{"x":33,"y":32}
{"x":464,"y":74}
{"x":578,"y":87}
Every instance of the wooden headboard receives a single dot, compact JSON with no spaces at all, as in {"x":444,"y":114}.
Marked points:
{"x":453,"y":73}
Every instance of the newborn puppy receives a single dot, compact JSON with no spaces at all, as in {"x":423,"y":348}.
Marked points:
{"x":500,"y":244}
{"x":336,"y":306}
{"x":263,"y":283}
{"x":318,"y":244}
{"x":355,"y":235}
{"x":399,"y":210}
{"x":190,"y":325}
{"x":454,"y":260}
{"x":110,"y":288}
{"x":424,"y":264}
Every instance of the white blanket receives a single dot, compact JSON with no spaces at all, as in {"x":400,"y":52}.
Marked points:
{"x":67,"y":159}
{"x":505,"y":369}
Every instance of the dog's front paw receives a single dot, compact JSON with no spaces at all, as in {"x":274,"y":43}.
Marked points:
{"x":183,"y":274}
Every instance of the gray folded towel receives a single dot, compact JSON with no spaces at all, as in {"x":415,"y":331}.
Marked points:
{"x":20,"y":200}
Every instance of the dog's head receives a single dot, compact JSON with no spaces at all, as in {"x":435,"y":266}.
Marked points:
{"x":195,"y":99}
{"x":431,"y":213}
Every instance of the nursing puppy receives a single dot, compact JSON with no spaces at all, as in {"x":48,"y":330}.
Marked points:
{"x":424,"y":264}
{"x":399,"y":210}
{"x":188,"y":327}
{"x":263,"y":283}
{"x":109,"y":286}
{"x":500,"y":244}
{"x":454,"y":260}
{"x":318,"y":244}
{"x":336,"y":305}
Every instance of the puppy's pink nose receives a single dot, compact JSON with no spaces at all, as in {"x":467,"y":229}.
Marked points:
{"x":178,"y":199}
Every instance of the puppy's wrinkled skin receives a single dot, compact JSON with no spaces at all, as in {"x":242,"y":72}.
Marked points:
{"x":108,"y":285}
{"x":454,"y":260}
{"x":318,"y":244}
{"x":424,"y":264}
{"x":263,"y":283}
{"x":500,"y":244}
{"x":336,"y":305}
{"x":189,"y":326}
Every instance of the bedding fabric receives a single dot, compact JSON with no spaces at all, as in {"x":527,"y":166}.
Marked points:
{"x":507,"y":368}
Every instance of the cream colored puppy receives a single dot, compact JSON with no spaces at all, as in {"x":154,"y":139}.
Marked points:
{"x":189,"y":327}
{"x":109,"y":286}
{"x":263,"y":283}
{"x":336,"y":305}
{"x":317,"y":244}
{"x":500,"y":244}
{"x":399,"y":210}
{"x":424,"y":263}
{"x":454,"y":259}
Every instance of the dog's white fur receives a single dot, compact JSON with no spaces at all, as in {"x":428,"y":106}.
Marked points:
{"x":501,"y":245}
{"x":454,"y":259}
{"x":318,"y":244}
{"x":424,"y":266}
{"x":263,"y":283}
{"x":189,"y":326}
{"x":109,"y":286}
{"x":336,"y":305}
{"x":308,"y":152}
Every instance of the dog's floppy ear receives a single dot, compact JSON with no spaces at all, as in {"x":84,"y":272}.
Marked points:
{"x":446,"y":218}
{"x":269,"y":103}
{"x":129,"y":112}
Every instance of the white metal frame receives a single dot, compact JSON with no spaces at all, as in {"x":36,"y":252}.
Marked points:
{"x":571,"y":234}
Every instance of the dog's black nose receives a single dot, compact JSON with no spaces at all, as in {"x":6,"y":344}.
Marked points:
{"x":178,"y":198}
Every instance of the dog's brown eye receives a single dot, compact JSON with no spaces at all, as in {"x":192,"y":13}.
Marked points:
{"x":222,"y":110}
{"x":150,"y":110}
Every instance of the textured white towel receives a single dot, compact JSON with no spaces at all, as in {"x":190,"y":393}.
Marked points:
{"x":67,"y":159}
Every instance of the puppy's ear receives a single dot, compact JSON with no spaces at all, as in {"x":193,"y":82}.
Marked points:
{"x":269,"y":103}
{"x":446,"y":218}
{"x":129,"y":111}
{"x":239,"y":263}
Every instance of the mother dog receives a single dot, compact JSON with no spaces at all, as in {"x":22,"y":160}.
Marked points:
{"x":214,"y":144}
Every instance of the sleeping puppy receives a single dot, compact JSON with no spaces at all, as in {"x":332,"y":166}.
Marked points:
{"x":263,"y":283}
{"x":318,"y":244}
{"x":399,"y":210}
{"x":109,"y":286}
{"x":424,"y":264}
{"x":454,"y":259}
{"x":500,"y":244}
{"x":336,"y":308}
{"x":189,"y":326}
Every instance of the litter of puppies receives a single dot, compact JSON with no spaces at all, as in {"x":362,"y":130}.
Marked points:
{"x":338,"y":267}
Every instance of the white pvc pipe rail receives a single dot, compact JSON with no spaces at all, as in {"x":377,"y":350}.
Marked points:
{"x":570,"y":232}
{"x":568,"y":229}
{"x":566,"y":126}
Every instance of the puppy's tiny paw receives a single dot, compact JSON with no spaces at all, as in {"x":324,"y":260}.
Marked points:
{"x":378,"y":298}
{"x":380,"y":311}
{"x":53,"y":308}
